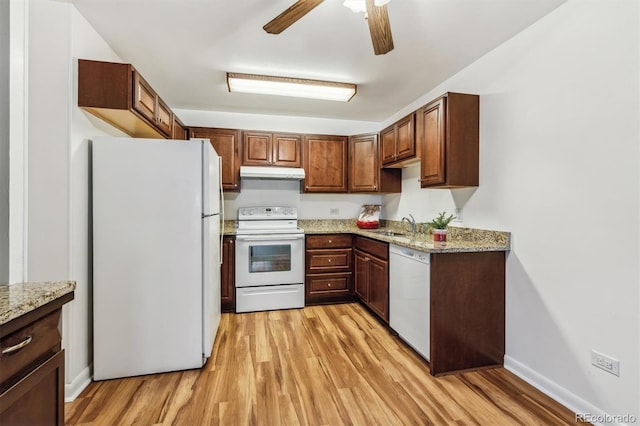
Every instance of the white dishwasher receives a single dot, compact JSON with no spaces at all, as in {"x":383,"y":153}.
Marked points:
{"x":409,"y":296}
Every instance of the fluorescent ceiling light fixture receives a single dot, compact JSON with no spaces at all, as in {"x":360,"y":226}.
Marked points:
{"x":361,"y":5}
{"x":296,"y":87}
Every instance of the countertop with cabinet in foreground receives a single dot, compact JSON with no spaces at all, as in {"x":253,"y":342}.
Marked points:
{"x":21,"y":298}
{"x":31,"y":354}
{"x":459,"y":240}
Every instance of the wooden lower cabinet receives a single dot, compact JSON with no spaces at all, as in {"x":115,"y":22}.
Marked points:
{"x":371,"y":271}
{"x":328,"y":268}
{"x":37,"y":399}
{"x":467,"y":311}
{"x":227,"y":274}
{"x":32,"y":367}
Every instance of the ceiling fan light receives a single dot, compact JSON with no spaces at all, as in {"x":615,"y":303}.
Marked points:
{"x":356,"y":6}
{"x":294,"y":87}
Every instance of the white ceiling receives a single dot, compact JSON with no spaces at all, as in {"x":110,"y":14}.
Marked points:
{"x":185,"y":47}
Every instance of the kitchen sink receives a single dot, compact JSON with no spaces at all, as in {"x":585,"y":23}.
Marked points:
{"x":388,"y":232}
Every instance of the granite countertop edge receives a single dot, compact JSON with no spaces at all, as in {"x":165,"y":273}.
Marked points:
{"x":21,"y":298}
{"x":462,"y":240}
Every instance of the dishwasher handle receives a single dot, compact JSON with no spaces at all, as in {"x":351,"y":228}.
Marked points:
{"x":418,"y":256}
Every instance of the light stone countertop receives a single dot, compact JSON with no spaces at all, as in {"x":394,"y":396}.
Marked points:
{"x":21,"y":298}
{"x":459,"y":240}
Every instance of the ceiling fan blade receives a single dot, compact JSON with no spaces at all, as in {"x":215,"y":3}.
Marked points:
{"x":379,"y":28}
{"x":290,"y":16}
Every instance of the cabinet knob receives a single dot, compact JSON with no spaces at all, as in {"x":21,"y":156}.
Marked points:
{"x":329,"y":260}
{"x":329,"y":285}
{"x":330,"y":241}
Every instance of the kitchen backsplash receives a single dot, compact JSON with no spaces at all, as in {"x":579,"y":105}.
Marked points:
{"x":256,"y":192}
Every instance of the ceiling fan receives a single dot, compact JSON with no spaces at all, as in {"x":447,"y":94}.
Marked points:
{"x":377,"y":18}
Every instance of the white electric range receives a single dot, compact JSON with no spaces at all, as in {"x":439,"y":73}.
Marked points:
{"x":269,"y":259}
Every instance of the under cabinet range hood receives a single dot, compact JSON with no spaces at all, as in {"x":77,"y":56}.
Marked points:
{"x":257,"y":172}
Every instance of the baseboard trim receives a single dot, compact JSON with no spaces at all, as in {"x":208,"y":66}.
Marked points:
{"x":550,"y":388}
{"x":77,"y":385}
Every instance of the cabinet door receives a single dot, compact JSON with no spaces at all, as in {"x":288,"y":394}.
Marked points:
{"x":37,"y":399}
{"x":144,"y":98}
{"x":361,"y":275}
{"x":363,"y":163}
{"x":388,"y":145}
{"x":225,"y":142}
{"x":256,"y":149}
{"x":405,"y":138}
{"x":164,"y":118}
{"x":287,"y":150}
{"x":379,"y":287}
{"x":227,"y":275}
{"x":326,"y":163}
{"x":432,"y":135}
{"x":179,"y":132}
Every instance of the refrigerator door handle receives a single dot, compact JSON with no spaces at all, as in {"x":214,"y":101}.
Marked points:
{"x":209,"y":215}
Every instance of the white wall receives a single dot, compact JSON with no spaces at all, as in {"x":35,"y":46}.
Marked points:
{"x":58,"y":165}
{"x":4,"y":141}
{"x":559,"y":168}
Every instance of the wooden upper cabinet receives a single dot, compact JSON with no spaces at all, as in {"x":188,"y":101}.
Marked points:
{"x":119,"y":95}
{"x":365,"y":174}
{"x":269,"y":149}
{"x":256,"y":149}
{"x":399,"y":143}
{"x":226,"y":143}
{"x":448,"y":131}
{"x":147,"y":102}
{"x":179,"y":131}
{"x":287,"y":150}
{"x":325,"y":163}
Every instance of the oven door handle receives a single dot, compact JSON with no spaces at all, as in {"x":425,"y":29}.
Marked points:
{"x":273,"y":237}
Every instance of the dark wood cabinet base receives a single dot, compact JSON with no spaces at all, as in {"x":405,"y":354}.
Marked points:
{"x":467,"y":311}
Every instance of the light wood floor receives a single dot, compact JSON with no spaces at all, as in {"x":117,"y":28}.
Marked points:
{"x":321,"y":365}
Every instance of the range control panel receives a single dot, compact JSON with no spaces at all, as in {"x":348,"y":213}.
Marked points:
{"x":266,"y":213}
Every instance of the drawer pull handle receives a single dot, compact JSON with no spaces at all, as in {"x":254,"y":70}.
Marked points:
{"x":17,"y":347}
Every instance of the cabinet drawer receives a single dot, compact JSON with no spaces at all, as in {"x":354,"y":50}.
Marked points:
{"x":39,"y":340}
{"x":325,"y":260}
{"x":328,"y":283}
{"x":328,"y":241}
{"x":375,"y":248}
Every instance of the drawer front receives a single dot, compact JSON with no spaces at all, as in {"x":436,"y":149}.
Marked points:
{"x":328,"y":283}
{"x":328,"y":260}
{"x":376,"y":248}
{"x":328,"y":241}
{"x":39,"y":339}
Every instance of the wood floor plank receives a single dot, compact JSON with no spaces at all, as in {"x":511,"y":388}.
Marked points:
{"x":321,"y":365}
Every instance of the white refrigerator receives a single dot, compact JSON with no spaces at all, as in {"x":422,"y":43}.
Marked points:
{"x":156,"y":219}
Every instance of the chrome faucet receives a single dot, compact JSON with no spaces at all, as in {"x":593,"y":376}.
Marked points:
{"x":412,"y":222}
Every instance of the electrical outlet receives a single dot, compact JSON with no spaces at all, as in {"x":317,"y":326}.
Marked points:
{"x":334,"y":211}
{"x":605,"y":362}
{"x":458,"y":213}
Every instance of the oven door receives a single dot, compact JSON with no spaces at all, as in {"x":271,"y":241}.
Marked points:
{"x":274,"y":259}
